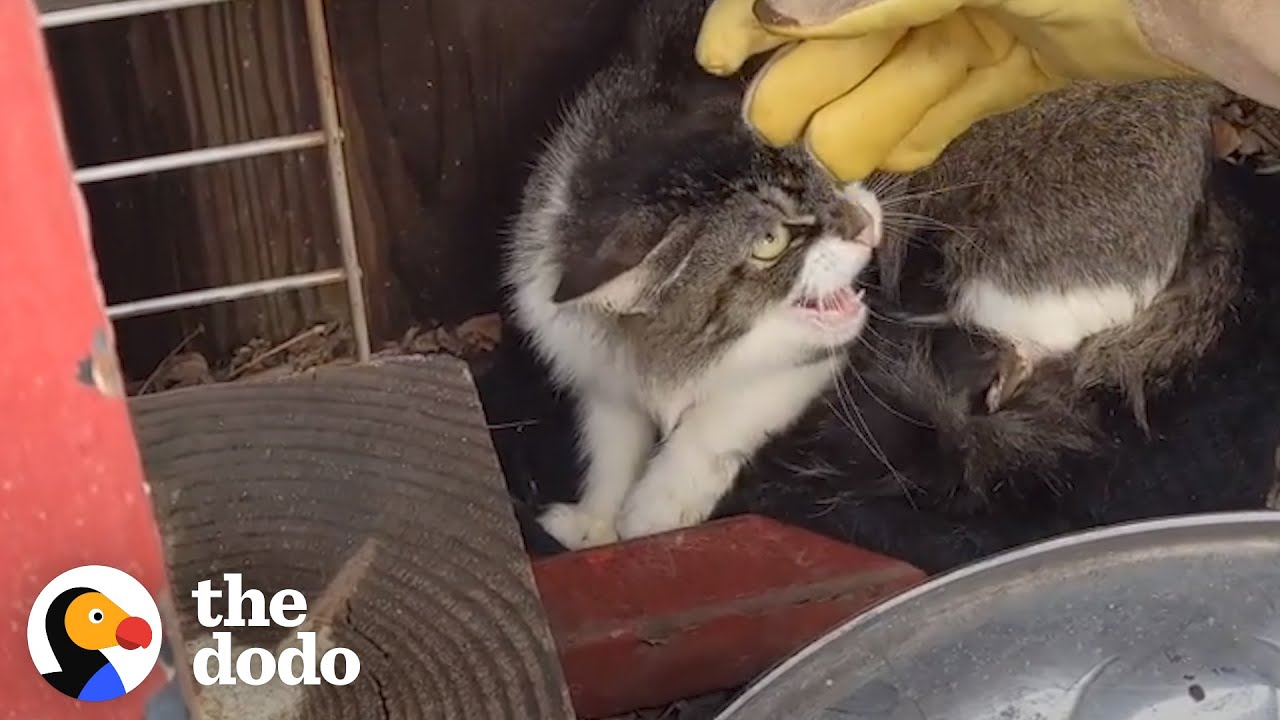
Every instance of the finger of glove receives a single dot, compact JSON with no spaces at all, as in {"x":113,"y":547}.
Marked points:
{"x":806,"y":76}
{"x":729,"y":35}
{"x":852,"y":135}
{"x":846,"y":18}
{"x":999,"y":88}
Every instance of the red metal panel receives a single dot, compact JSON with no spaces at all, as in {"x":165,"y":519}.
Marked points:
{"x":648,"y":622}
{"x":71,"y":489}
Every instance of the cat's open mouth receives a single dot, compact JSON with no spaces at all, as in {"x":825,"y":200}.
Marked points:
{"x":840,"y":305}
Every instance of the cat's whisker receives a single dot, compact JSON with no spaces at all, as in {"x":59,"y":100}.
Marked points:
{"x":884,"y":404}
{"x":908,"y":224}
{"x":880,"y":336}
{"x":828,"y":505}
{"x":854,"y":420}
{"x":926,"y":221}
{"x":884,"y":184}
{"x":882,"y":318}
{"x":878,"y":352}
{"x":906,"y":197}
{"x":964,"y":233}
{"x":840,"y":412}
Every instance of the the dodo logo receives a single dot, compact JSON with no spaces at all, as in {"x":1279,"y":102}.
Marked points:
{"x":94,"y":633}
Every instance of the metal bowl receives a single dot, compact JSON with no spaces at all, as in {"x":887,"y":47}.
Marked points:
{"x":1173,"y":619}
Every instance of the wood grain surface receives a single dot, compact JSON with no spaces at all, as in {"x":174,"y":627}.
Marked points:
{"x":373,"y":490}
{"x":193,"y":78}
{"x":444,"y":105}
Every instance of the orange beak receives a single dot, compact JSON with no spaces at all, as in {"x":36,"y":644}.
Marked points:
{"x":133,"y":633}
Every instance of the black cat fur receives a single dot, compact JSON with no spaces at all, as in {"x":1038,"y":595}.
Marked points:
{"x":1210,"y":445}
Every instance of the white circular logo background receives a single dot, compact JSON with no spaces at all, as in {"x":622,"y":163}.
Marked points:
{"x":133,"y":665}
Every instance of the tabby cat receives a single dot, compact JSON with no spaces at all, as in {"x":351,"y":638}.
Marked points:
{"x":701,"y":295}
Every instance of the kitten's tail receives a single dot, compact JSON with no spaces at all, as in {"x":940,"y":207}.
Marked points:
{"x":942,"y":375}
{"x":1178,"y":327}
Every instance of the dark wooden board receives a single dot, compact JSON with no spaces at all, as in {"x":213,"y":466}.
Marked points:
{"x":444,"y":106}
{"x":193,"y":78}
{"x":373,"y":490}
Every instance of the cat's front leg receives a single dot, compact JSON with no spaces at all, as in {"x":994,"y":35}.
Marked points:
{"x":616,"y":438}
{"x":700,"y":459}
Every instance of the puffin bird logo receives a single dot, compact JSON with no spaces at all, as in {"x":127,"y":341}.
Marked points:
{"x":85,"y":643}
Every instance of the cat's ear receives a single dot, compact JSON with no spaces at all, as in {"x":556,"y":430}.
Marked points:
{"x":622,"y":273}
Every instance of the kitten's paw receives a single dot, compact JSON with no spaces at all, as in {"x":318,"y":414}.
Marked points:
{"x":576,"y":528}
{"x":657,"y":509}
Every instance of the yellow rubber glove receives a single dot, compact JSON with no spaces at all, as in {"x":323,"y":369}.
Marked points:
{"x":888,"y":84}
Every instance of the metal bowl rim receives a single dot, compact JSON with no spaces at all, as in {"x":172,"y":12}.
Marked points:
{"x":1243,"y":520}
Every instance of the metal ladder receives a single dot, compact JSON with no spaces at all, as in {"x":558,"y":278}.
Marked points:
{"x":62,"y":13}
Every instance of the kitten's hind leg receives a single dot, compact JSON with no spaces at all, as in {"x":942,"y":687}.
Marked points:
{"x":1037,"y":325}
{"x":1015,"y":366}
{"x":616,"y":439}
{"x":699,"y":461}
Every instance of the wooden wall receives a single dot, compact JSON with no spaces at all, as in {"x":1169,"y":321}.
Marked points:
{"x":444,"y":103}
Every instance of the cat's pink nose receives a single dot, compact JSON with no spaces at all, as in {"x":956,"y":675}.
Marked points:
{"x":860,"y":226}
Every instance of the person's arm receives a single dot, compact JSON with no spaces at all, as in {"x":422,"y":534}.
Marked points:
{"x":1236,"y":42}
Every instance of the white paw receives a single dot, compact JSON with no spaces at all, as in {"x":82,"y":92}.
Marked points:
{"x":576,"y":528}
{"x":658,"y":507}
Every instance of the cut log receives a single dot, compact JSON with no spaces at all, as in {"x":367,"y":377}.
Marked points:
{"x":374,"y":491}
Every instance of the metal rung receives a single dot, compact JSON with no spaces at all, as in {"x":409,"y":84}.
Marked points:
{"x":343,"y":214}
{"x":203,"y":156}
{"x":79,"y":12}
{"x":198,"y":298}
{"x":57,"y":13}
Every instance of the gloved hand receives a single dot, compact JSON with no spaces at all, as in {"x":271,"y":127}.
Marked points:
{"x":889,"y":84}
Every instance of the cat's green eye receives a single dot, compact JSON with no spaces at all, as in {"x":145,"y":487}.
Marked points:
{"x":772,"y":245}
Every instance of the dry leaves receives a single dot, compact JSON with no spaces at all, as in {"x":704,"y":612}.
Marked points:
{"x":317,"y":345}
{"x":181,"y":370}
{"x":323,"y":344}
{"x":473,"y":337}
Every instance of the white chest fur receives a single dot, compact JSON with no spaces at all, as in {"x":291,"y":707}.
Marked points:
{"x":661,"y":456}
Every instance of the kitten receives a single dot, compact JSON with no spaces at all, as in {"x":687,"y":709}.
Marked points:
{"x":689,"y":285}
{"x":902,"y":458}
{"x":943,"y":482}
{"x":1066,"y":218}
{"x":694,"y":289}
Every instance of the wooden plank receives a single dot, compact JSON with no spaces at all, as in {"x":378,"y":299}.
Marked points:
{"x":387,"y":471}
{"x":645,"y":623}
{"x":445,"y":104}
{"x":71,"y":489}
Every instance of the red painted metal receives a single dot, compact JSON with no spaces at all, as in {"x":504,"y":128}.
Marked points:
{"x":71,"y":490}
{"x":644,"y":623}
